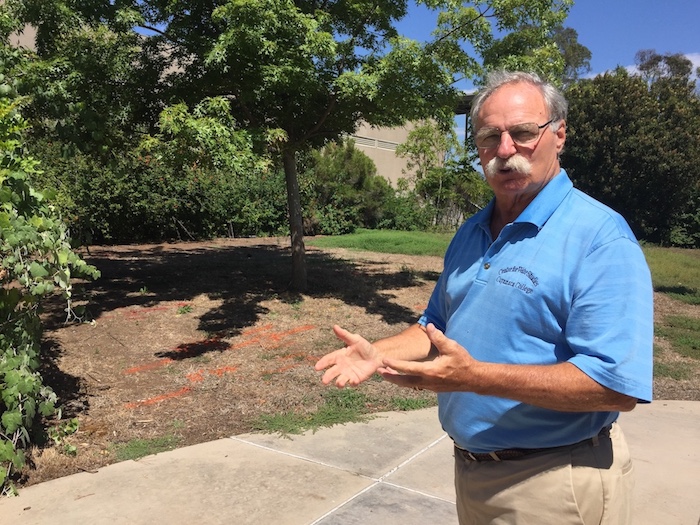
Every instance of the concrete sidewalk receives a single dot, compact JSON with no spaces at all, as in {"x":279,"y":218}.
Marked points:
{"x":395,"y":469}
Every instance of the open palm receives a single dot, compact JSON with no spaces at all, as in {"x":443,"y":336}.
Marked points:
{"x":351,"y":365}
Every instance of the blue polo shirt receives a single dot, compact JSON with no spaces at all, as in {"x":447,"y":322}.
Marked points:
{"x":567,"y":281}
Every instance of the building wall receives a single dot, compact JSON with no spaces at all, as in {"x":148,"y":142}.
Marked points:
{"x":379,"y":144}
{"x":24,"y":39}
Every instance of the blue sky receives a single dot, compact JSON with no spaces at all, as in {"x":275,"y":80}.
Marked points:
{"x":613,"y":30}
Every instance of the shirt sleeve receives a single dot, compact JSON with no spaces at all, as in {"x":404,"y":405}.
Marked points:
{"x":610,"y":327}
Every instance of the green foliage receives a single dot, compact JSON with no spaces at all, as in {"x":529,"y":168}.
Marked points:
{"x":37,"y":260}
{"x":447,"y":184}
{"x":632,"y":142}
{"x":197,"y":178}
{"x":577,"y":57}
{"x":413,"y":403}
{"x":677,"y":371}
{"x":342,"y":191}
{"x":340,"y":406}
{"x":58,"y":434}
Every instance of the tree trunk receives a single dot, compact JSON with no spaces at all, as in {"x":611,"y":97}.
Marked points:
{"x":296,"y":226}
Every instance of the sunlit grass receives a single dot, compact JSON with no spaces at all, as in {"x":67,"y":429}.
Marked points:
{"x":675,"y":272}
{"x":388,"y":241}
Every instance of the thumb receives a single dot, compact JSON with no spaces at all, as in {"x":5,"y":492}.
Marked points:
{"x":342,"y":334}
{"x":440,"y":341}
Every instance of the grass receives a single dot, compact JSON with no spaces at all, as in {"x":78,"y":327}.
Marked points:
{"x":341,"y":406}
{"x":139,"y":448}
{"x":387,"y":241}
{"x":677,"y":371}
{"x":676,"y":272}
{"x":412,"y":403}
{"x":683,"y":333}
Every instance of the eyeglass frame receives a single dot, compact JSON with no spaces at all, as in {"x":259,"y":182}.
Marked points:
{"x":534,"y":140}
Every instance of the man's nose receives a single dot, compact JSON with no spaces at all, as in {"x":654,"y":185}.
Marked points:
{"x":506,"y":147}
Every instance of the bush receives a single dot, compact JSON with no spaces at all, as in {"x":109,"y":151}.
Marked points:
{"x":196,"y":179}
{"x":36,"y":261}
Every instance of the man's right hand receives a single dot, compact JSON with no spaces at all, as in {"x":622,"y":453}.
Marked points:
{"x":351,"y":365}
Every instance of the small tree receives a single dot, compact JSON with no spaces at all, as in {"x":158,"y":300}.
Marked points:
{"x":443,"y":178}
{"x":344,"y":191}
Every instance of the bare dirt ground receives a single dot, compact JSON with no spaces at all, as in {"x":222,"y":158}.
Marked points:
{"x":197,"y":340}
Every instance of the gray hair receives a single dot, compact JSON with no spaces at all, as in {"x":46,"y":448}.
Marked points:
{"x":554,"y":100}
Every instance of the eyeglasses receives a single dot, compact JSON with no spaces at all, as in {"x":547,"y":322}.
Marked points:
{"x":522,"y":134}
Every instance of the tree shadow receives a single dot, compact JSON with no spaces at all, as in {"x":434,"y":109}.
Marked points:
{"x":241,"y":277}
{"x":677,"y":290}
{"x":68,"y":388}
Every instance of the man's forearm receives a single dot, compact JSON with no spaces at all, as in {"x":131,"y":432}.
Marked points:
{"x":412,"y":344}
{"x":560,"y":387}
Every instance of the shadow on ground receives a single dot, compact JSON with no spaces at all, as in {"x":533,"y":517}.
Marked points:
{"x":242,"y":277}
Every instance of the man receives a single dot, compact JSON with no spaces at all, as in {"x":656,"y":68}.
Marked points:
{"x":538,"y":333}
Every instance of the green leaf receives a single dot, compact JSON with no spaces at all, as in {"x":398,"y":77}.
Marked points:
{"x":11,"y":421}
{"x":37,"y":270}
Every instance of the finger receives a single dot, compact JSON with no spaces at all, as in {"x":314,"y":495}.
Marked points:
{"x":408,"y":381}
{"x":326,"y":361}
{"x":330,"y":374}
{"x":415,"y":368}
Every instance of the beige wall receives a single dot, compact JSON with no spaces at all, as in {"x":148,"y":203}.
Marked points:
{"x":379,"y":144}
{"x":24,"y":39}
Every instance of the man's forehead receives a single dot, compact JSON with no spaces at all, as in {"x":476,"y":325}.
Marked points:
{"x":513,"y":100}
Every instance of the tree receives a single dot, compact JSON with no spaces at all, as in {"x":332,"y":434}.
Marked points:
{"x":93,"y":82}
{"x":445,"y":181}
{"x":302,"y":73}
{"x":345,"y":190}
{"x":577,"y":57}
{"x":634,"y":145}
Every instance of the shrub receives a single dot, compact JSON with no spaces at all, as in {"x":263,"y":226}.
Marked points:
{"x":37,"y":260}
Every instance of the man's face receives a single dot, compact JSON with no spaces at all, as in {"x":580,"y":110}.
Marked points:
{"x":512,"y":170}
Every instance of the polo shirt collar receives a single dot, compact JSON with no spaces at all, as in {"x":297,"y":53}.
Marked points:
{"x":542,"y":206}
{"x":547,"y":200}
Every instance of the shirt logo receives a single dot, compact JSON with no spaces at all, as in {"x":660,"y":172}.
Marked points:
{"x":513,"y":276}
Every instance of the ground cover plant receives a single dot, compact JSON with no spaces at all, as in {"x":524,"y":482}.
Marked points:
{"x":190,"y":342}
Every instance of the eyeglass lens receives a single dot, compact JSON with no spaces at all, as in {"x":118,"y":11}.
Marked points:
{"x":521,"y":134}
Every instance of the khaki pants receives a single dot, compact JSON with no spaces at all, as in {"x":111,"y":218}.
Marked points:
{"x":583,"y":484}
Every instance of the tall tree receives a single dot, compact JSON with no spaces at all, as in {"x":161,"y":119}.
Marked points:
{"x":635,"y":145}
{"x":305,"y":72}
{"x":577,"y":57}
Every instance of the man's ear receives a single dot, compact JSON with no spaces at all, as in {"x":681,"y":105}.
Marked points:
{"x":561,"y":136}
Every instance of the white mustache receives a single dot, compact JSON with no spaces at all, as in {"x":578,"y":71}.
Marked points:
{"x":516,"y":163}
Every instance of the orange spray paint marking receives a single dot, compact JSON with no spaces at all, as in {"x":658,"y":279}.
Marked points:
{"x":260,"y":335}
{"x":149,"y":366}
{"x":158,"y":399}
{"x":194,"y":377}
